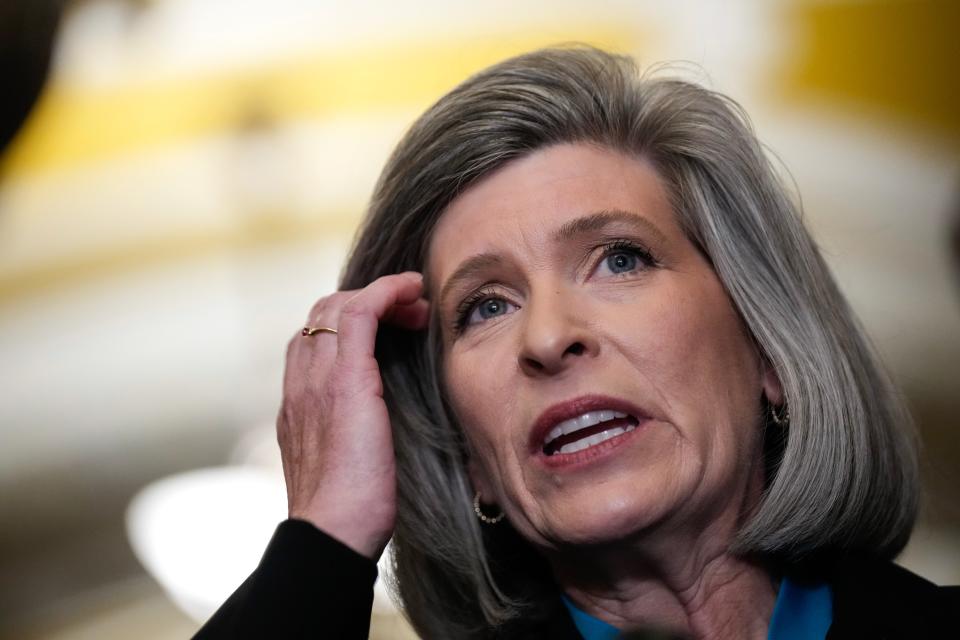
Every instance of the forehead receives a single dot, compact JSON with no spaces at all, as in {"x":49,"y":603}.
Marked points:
{"x":520,"y":205}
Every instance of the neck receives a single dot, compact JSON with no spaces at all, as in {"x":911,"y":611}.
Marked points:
{"x":684,"y":582}
{"x":716,"y":597}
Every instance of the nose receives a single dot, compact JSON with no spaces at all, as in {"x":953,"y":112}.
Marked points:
{"x":556,"y":334}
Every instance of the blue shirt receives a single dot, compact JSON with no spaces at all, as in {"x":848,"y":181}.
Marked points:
{"x":801,"y":612}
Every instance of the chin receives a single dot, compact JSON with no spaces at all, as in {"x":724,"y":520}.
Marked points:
{"x":609,"y":521}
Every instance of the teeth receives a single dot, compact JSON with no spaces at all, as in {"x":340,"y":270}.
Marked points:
{"x":582,"y":422}
{"x":595,"y":439}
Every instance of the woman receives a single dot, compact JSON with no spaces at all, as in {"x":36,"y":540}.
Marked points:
{"x":591,"y":373}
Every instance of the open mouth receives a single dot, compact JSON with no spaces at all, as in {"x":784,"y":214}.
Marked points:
{"x":587,"y":430}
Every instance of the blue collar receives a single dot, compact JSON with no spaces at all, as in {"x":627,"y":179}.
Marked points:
{"x":589,"y":627}
{"x":802,"y":612}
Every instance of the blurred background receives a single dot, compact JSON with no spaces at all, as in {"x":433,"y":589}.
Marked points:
{"x":187,"y":181}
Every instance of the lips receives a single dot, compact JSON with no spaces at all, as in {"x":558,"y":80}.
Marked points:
{"x":588,"y":430}
{"x":581,"y":423}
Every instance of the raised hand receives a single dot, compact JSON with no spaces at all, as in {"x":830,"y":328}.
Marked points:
{"x":333,"y":427}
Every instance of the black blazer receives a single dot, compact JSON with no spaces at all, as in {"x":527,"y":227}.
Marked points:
{"x":285,"y":597}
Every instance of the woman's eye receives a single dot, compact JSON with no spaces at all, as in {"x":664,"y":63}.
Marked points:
{"x":488,"y":308}
{"x":479,"y":307}
{"x":621,"y":262}
{"x":620,"y":258}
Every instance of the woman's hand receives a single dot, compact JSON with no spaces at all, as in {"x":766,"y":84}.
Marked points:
{"x":333,"y":427}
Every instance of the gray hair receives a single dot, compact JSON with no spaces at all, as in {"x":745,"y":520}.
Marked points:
{"x":844,"y":475}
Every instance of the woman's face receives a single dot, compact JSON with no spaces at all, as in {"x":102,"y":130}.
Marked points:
{"x":569,"y":295}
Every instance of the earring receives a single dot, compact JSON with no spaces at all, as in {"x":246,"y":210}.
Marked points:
{"x":485,"y":518}
{"x":781,"y":419}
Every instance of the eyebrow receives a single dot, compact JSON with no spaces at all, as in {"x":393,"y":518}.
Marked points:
{"x":469,"y":268}
{"x":591,"y":223}
{"x":602,"y":219}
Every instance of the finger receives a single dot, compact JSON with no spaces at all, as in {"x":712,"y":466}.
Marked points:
{"x":326,"y":309}
{"x":323,"y":313}
{"x":308,"y":357}
{"x":410,"y":316}
{"x":361,"y":314}
{"x":303,"y":350}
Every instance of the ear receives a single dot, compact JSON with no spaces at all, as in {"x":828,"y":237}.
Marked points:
{"x":770,"y":381}
{"x":478,"y":478}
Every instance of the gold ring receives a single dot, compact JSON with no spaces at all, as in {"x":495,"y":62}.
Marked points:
{"x":309,"y":331}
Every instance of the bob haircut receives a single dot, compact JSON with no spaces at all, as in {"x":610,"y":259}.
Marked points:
{"x":843,"y":476}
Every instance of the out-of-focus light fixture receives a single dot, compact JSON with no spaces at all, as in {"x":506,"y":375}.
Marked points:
{"x":201,"y":533}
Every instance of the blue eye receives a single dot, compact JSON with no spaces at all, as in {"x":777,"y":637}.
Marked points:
{"x":480,"y":307}
{"x":487,"y":309}
{"x":490,"y":308}
{"x":624,"y":256}
{"x":621,"y":262}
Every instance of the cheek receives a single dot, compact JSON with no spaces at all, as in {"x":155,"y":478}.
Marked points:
{"x":690,"y":346}
{"x":478,"y":392}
